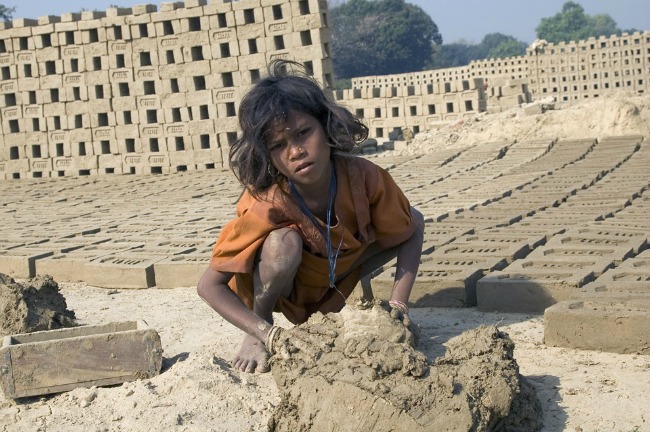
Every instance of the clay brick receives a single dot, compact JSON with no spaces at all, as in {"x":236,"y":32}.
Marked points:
{"x":436,"y":286}
{"x":603,"y":324}
{"x":531,"y":292}
{"x":278,"y":27}
{"x":614,"y":253}
{"x":21,"y":262}
{"x":596,"y":265}
{"x":606,"y":288}
{"x":509,"y":252}
{"x":637,"y":243}
{"x":70,"y":266}
{"x":126,"y":270}
{"x":181,"y":270}
{"x":246,"y":4}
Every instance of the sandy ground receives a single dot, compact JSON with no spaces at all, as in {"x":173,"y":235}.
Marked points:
{"x":198,"y":390}
{"x":617,"y":114}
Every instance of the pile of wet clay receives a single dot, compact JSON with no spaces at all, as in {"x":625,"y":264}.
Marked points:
{"x":356,"y":371}
{"x":32,"y":306}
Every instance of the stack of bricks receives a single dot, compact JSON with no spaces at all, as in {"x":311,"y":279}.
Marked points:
{"x":591,"y":67}
{"x":141,"y":91}
{"x":503,"y":93}
{"x":418,"y":107}
{"x":567,"y":72}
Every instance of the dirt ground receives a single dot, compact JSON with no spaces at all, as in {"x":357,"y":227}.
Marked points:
{"x":198,"y":390}
{"x":618,"y":114}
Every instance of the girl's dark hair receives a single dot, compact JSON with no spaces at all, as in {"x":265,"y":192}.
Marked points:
{"x":287,"y":87}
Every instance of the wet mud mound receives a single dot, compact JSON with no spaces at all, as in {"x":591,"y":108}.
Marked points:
{"x":32,"y":306}
{"x":355,"y":371}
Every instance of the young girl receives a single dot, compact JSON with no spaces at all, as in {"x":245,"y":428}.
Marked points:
{"x":312,"y":219}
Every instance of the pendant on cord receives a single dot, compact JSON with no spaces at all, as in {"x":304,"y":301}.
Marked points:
{"x":331,"y":255}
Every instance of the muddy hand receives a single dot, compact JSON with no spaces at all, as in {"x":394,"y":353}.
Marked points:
{"x":400,"y":312}
{"x":298,"y":340}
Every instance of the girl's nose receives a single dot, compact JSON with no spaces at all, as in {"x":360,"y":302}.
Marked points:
{"x":296,"y":150}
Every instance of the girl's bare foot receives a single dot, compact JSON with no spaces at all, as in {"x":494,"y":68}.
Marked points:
{"x":252,"y":356}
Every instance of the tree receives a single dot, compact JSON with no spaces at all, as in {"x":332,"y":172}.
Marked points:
{"x":573,"y":24}
{"x":502,"y":46}
{"x":498,"y":45}
{"x":509,"y":48}
{"x":381,"y":37}
{"x":603,"y":25}
{"x":452,"y":55}
{"x":493,"y":45}
{"x":6,"y":13}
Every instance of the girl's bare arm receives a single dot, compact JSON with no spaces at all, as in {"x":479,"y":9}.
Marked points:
{"x":213,"y":289}
{"x":408,"y":261}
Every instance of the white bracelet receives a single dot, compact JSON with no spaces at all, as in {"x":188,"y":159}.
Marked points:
{"x":400,"y":306}
{"x":270,"y":339}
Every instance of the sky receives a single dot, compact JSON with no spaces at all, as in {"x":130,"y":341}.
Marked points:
{"x":467,"y":20}
{"x":472,"y":19}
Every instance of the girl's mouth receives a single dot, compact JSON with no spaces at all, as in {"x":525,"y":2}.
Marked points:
{"x":302,"y":167}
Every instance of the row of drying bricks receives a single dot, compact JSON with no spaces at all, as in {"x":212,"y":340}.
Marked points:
{"x":591,"y":281}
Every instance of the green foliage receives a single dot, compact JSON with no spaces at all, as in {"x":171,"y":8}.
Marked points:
{"x":6,"y":13}
{"x":573,"y":24}
{"x":381,"y":37}
{"x":342,"y":84}
{"x":497,"y":45}
{"x":493,"y":45}
{"x":453,"y":55}
{"x":508,"y":48}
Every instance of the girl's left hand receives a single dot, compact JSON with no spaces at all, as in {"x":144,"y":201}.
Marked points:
{"x":400,"y":312}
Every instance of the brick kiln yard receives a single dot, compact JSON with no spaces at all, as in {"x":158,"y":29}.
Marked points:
{"x":537,"y":224}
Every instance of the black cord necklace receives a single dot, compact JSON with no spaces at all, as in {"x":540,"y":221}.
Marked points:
{"x":331,"y":254}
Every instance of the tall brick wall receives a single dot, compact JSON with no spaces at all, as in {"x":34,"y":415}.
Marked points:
{"x":142,"y":90}
{"x":389,"y":109}
{"x":566,"y":71}
{"x":590,"y":68}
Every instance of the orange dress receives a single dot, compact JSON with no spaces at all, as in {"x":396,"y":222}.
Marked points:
{"x":369,"y":208}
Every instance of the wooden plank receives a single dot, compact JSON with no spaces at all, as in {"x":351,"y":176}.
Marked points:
{"x":60,"y":360}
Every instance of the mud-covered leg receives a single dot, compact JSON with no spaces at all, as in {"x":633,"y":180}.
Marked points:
{"x":275,"y":269}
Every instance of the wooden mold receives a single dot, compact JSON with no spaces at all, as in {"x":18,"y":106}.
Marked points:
{"x":54,"y":361}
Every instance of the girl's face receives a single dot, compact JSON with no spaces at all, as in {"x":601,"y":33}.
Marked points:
{"x":299,"y":150}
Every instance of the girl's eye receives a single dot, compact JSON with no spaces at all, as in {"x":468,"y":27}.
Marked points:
{"x":303,"y":132}
{"x":276,"y":146}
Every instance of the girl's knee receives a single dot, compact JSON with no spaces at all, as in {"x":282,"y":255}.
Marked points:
{"x":282,"y":250}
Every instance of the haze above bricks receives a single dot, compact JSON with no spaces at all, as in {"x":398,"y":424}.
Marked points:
{"x":113,"y":85}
